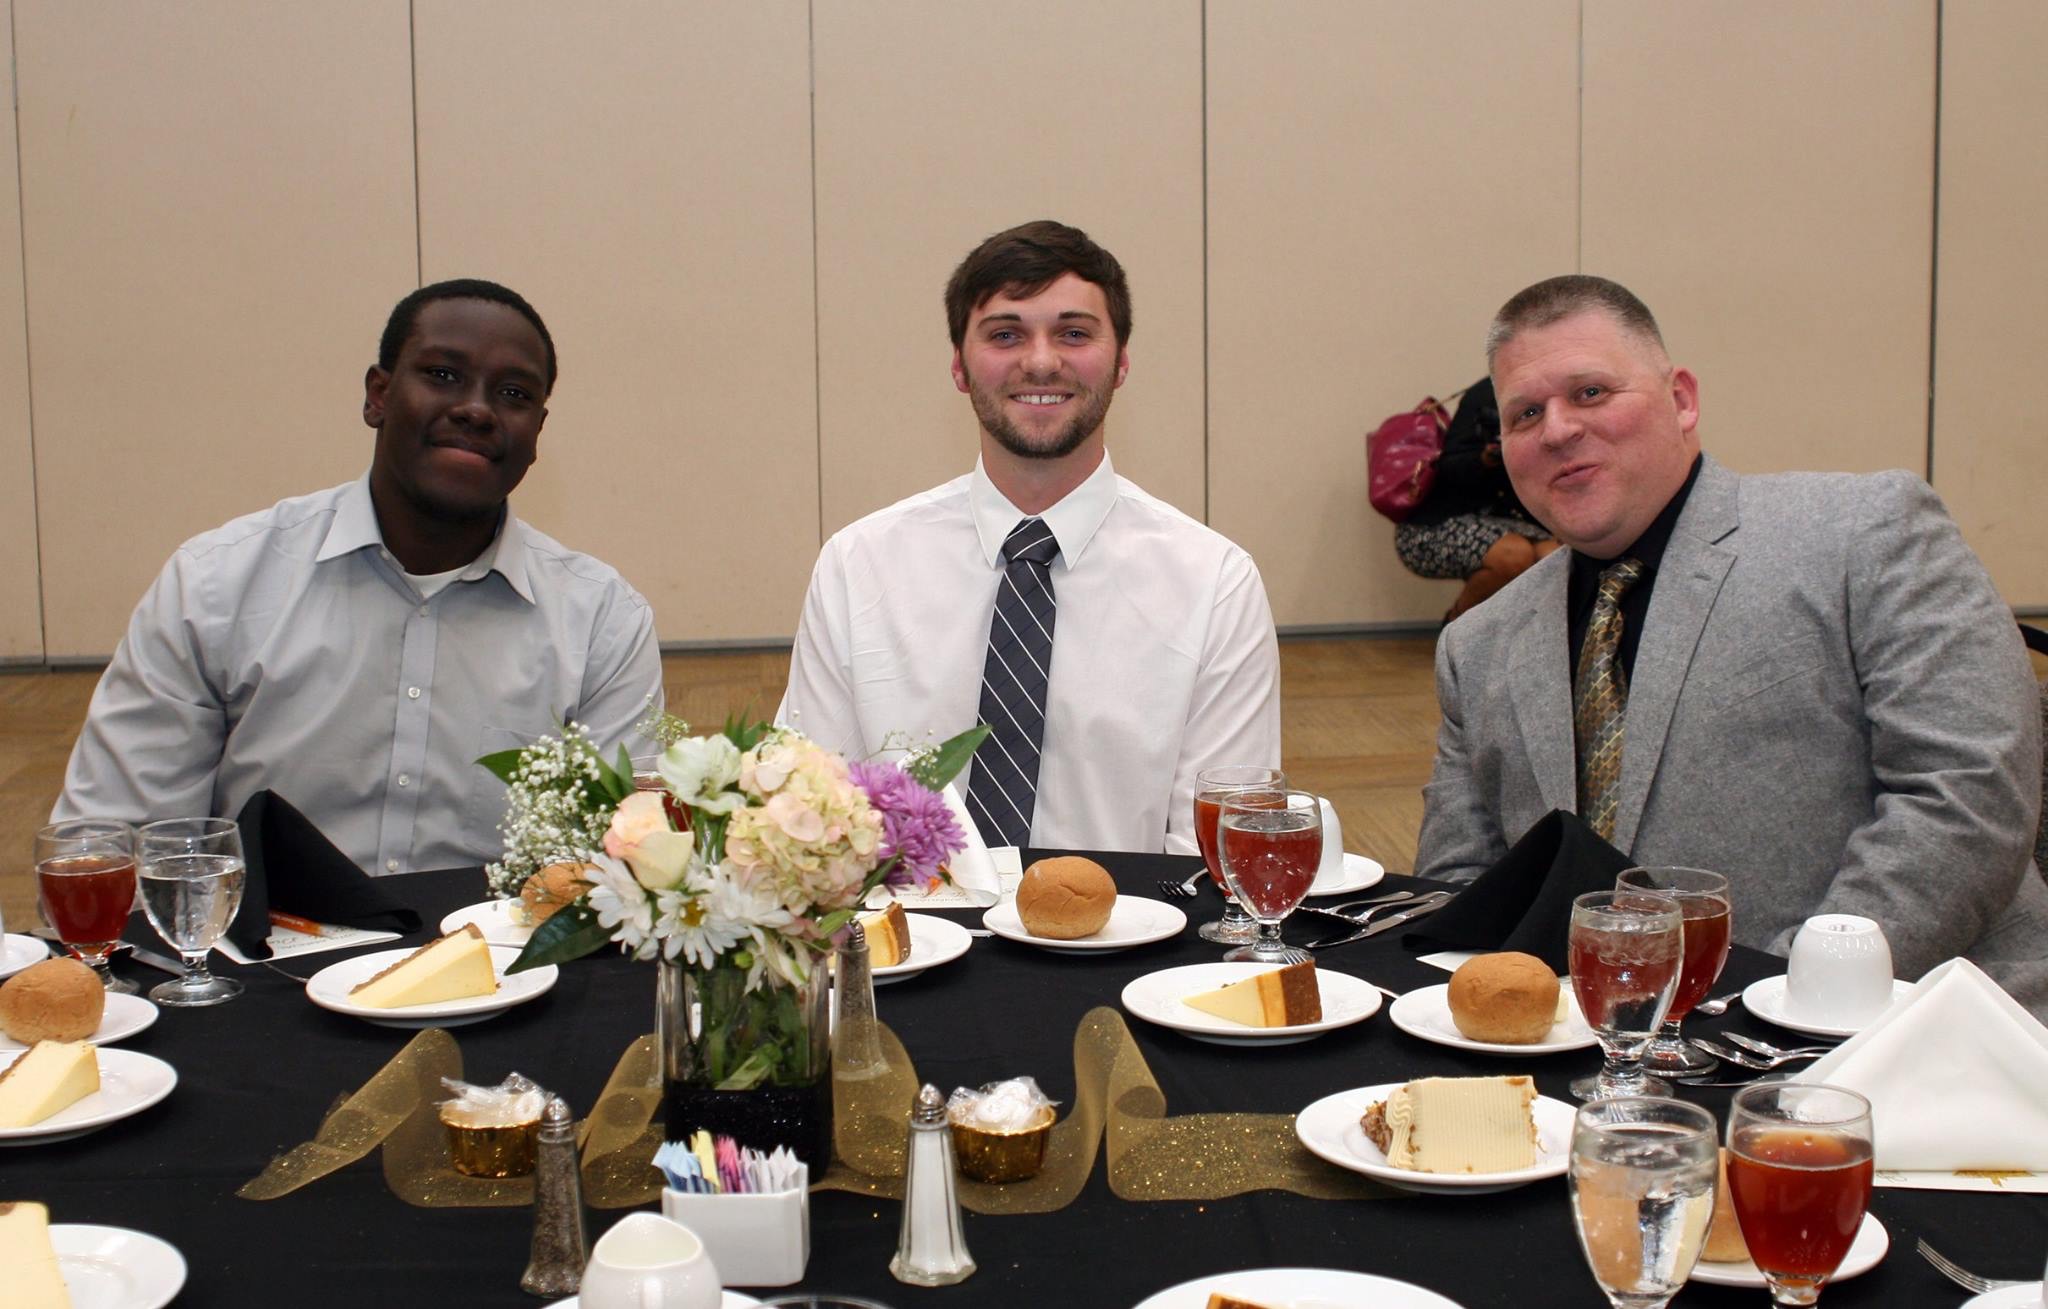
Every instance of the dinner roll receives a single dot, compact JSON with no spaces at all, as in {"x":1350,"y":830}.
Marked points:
{"x":1724,"y":1238}
{"x":1508,"y":999}
{"x":55,"y":1000}
{"x":549,"y":889}
{"x":1065,"y":898}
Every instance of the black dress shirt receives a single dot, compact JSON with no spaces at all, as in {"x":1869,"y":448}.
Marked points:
{"x":1635,"y":602}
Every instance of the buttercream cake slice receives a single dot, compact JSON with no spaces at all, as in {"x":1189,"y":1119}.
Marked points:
{"x":888,"y":936}
{"x":28,"y":1262}
{"x":1457,"y":1125}
{"x":48,"y":1077}
{"x":1281,"y":997}
{"x":455,"y":967}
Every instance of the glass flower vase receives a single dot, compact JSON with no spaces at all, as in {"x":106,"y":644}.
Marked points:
{"x":755,"y":1065}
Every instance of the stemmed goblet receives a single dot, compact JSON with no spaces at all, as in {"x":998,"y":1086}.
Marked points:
{"x":1212,"y":787}
{"x":1704,"y":902}
{"x":192,"y":879}
{"x":1642,"y":1183}
{"x":1272,"y":844}
{"x":85,"y":876}
{"x":1625,"y":949}
{"x":1800,"y":1167}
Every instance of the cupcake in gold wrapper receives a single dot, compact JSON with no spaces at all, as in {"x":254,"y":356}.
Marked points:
{"x":493,"y":1130}
{"x":1000,"y":1131}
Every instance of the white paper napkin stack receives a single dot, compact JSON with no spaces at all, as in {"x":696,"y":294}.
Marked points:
{"x":1957,"y":1077}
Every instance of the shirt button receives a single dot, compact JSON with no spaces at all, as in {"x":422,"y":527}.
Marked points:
{"x":412,"y":693}
{"x":390,"y":865}
{"x":423,"y":611}
{"x":404,"y":779}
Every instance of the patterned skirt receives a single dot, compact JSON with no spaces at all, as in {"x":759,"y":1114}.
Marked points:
{"x":1455,"y":547}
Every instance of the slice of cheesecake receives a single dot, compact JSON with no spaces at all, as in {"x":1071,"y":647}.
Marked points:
{"x":28,"y":1262}
{"x":1283,"y":997}
{"x":1460,"y":1125}
{"x":888,"y":936}
{"x":455,"y":967}
{"x":50,"y":1076}
{"x":1218,"y":1300}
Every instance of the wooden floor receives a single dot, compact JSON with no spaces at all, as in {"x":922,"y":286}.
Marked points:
{"x":1359,"y":726}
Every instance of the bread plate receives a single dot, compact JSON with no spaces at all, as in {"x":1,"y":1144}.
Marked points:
{"x":1133,"y":921}
{"x":2027,"y":1295}
{"x":732,"y":1300}
{"x":125,"y":1015}
{"x":1865,"y":1253}
{"x":933,"y":941}
{"x":1330,"y":1129}
{"x":494,"y":919}
{"x":115,"y":1268}
{"x":1354,"y":872}
{"x":129,"y":1084}
{"x":1158,"y":998}
{"x":1766,"y":999}
{"x":1426,"y":1013}
{"x":1318,"y":1286}
{"x":18,"y":952}
{"x":329,"y":989}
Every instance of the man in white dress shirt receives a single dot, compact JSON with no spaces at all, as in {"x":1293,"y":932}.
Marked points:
{"x":355,"y":650}
{"x":1162,"y":656}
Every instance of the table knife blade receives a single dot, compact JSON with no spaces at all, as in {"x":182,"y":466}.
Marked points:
{"x":162,"y":963}
{"x":1428,"y":905}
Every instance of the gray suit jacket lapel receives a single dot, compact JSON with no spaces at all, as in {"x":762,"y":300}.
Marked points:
{"x":1539,"y":680}
{"x":1689,"y":578}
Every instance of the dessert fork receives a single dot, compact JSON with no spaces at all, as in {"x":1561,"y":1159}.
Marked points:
{"x":1183,"y":890}
{"x":1962,"y":1276}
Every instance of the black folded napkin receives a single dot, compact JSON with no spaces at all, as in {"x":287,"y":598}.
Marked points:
{"x":1524,"y":902}
{"x":294,"y":868}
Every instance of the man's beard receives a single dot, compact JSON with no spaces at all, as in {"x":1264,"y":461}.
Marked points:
{"x":1060,"y":442}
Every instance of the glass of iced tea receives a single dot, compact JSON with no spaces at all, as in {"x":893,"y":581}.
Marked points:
{"x":1625,"y":948}
{"x":85,"y":876}
{"x":1799,"y":1172}
{"x":1271,"y":843}
{"x":1212,"y":787}
{"x":1704,"y":901}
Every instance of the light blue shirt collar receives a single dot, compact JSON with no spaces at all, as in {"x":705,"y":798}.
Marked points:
{"x":1073,"y":520}
{"x":355,"y":528}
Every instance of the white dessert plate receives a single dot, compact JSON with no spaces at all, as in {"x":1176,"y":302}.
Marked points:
{"x":933,"y":941}
{"x":129,"y":1084}
{"x":1355,"y":874}
{"x":733,"y":1300}
{"x":125,"y":1015}
{"x":2027,"y":1295}
{"x":1766,"y":999}
{"x":1426,"y":1013}
{"x":1133,"y":921}
{"x":115,"y":1268}
{"x":329,"y":989}
{"x":1330,"y":1129}
{"x":494,"y":919}
{"x":18,"y":952}
{"x":1307,"y":1288}
{"x":1865,"y":1253}
{"x":1157,"y":998}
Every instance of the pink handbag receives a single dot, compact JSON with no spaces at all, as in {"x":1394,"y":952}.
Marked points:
{"x":1401,"y":455}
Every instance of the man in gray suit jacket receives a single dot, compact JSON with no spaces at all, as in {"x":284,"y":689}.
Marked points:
{"x":1822,"y":696}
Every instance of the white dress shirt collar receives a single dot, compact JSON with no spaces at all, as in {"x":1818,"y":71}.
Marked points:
{"x":355,"y":528}
{"x":1073,"y":520}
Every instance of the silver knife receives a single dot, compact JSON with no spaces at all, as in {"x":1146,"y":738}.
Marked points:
{"x":1427,"y":905}
{"x":162,"y":963}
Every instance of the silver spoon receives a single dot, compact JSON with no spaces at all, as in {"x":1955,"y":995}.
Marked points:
{"x":1717,"y":1006}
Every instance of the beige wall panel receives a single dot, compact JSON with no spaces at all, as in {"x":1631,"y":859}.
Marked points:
{"x":1991,"y":309}
{"x":1762,"y":175}
{"x":21,"y":615}
{"x":641,"y":172}
{"x":217,"y":213}
{"x":941,"y":122}
{"x":1381,"y":177}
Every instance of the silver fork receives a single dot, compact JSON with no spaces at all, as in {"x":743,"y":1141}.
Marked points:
{"x":1962,"y":1276}
{"x":1184,"y":890}
{"x":1766,"y":1049}
{"x":1747,"y":1059}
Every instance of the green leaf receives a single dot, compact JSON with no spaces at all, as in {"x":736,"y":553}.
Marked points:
{"x":613,"y":783}
{"x":572,"y":933}
{"x":502,"y":763}
{"x":944,"y":764}
{"x":745,"y":733}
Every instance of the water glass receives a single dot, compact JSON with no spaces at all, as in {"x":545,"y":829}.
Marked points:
{"x":1271,"y":844}
{"x":1212,"y":787}
{"x":1800,"y":1167}
{"x":1704,"y":901}
{"x":85,"y":877}
{"x":1625,"y":951}
{"x":1642,"y":1183}
{"x":192,"y":880}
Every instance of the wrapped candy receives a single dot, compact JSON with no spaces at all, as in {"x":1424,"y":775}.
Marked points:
{"x":1000,"y":1131}
{"x":492,"y":1130}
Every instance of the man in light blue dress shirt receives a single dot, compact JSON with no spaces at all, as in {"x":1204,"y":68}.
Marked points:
{"x":355,"y":650}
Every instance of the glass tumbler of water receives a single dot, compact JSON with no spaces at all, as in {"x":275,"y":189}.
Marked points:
{"x":1642,"y":1183}
{"x":192,"y":878}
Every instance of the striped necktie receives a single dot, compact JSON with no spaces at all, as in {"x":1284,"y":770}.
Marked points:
{"x":1003,"y":789}
{"x":1600,"y":700}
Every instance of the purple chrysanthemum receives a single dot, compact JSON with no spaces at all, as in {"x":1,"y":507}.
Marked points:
{"x":918,"y":829}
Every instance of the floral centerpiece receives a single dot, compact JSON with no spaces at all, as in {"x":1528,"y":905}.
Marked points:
{"x":737,"y":871}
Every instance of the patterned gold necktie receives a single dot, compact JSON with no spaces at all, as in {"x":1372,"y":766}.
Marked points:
{"x":1600,"y":700}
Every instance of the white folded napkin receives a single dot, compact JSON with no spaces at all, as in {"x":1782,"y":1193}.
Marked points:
{"x":974,"y":873}
{"x":1955,"y":1073}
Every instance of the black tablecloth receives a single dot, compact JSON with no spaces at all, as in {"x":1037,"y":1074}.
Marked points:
{"x":256,"y":1075}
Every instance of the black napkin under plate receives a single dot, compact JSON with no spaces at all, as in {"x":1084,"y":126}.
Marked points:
{"x":294,"y":868}
{"x":1524,"y":902}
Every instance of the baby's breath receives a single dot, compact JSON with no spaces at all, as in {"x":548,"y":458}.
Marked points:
{"x":549,"y":817}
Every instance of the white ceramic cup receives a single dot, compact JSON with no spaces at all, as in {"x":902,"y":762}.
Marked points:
{"x":647,"y":1261}
{"x":1840,"y":973}
{"x":1332,"y":866}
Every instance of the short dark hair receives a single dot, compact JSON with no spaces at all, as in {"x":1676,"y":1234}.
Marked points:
{"x":405,"y":315}
{"x":1557,"y":298}
{"x":1024,"y":261}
